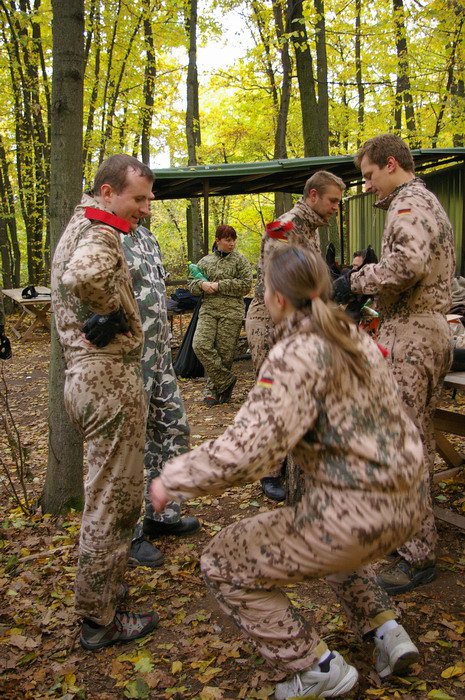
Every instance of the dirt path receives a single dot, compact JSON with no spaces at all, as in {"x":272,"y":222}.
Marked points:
{"x":196,"y":652}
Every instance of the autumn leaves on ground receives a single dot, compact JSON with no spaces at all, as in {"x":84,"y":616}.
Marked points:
{"x":196,"y":652}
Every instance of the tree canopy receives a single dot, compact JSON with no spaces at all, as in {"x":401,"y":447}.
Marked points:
{"x":290,"y":78}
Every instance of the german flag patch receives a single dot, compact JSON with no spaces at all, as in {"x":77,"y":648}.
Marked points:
{"x":266,"y":382}
{"x":403,"y":211}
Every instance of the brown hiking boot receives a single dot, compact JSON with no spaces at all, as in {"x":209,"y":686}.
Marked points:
{"x":401,"y":576}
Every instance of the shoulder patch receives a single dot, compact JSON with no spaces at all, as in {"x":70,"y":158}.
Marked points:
{"x":403,"y":211}
{"x":266,"y":382}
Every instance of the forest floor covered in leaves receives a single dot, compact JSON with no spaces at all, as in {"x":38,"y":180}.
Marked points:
{"x":196,"y":652}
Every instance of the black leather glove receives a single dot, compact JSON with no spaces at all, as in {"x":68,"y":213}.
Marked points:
{"x":5,"y":345}
{"x":100,"y":330}
{"x":342,"y":293}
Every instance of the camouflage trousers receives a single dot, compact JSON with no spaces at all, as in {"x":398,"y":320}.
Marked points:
{"x":215,"y":343}
{"x":167,"y":432}
{"x":105,"y":399}
{"x":421,"y":354}
{"x":246,"y":564}
{"x":258,"y":325}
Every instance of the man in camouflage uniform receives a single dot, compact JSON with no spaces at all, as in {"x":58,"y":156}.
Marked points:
{"x":412,"y":287}
{"x":320,"y":201}
{"x":361,"y":460}
{"x":99,"y":327}
{"x":228,"y":277}
{"x":167,"y":432}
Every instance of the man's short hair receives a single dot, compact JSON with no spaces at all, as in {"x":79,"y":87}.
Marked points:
{"x":320,"y":181}
{"x":379,"y":148}
{"x":113,"y":171}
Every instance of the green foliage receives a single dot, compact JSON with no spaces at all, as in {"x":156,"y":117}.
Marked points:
{"x":238,"y":104}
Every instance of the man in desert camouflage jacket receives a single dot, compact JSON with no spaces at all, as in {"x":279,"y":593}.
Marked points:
{"x":412,"y":286}
{"x":320,"y":201}
{"x":167,"y":432}
{"x":99,"y":327}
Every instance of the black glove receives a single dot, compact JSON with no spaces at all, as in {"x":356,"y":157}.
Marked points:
{"x":5,"y":345}
{"x":342,"y":293}
{"x":100,"y":330}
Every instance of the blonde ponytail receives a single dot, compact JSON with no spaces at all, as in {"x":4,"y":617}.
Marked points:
{"x":303,"y":279}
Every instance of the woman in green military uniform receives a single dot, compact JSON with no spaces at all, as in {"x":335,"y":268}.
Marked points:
{"x":228,"y":278}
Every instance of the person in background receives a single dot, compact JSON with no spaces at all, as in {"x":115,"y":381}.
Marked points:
{"x":167,"y":433}
{"x":99,"y":328}
{"x":411,"y":285}
{"x":229,"y":278}
{"x":361,"y":460}
{"x":320,"y":201}
{"x":5,"y":345}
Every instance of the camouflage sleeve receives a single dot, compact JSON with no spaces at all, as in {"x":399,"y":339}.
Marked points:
{"x":193,"y":285}
{"x":407,"y":259}
{"x":277,"y":413}
{"x":241,"y":284}
{"x":91,"y":271}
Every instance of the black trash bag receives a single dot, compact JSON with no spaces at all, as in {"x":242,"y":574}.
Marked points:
{"x":184,"y":299}
{"x":187,"y":364}
{"x":458,"y":362}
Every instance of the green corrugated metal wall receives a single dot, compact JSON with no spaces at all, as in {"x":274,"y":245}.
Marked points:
{"x":365,"y":222}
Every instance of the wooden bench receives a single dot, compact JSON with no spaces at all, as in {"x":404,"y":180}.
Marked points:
{"x":454,"y":423}
{"x":38,"y":309}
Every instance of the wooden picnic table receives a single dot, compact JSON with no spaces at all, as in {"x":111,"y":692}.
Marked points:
{"x":454,"y":423}
{"x":36,"y":308}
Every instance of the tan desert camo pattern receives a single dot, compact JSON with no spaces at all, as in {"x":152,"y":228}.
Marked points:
{"x":412,"y":287}
{"x":258,"y":323}
{"x":361,"y":456}
{"x":105,"y":398}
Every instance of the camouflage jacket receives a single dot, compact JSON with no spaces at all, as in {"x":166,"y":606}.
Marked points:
{"x":355,"y":437}
{"x":304,"y":233}
{"x":148,"y":274}
{"x":90,"y":275}
{"x":233,"y":272}
{"x":417,"y":263}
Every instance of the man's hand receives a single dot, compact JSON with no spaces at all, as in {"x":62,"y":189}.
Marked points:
{"x":100,"y":330}
{"x":5,"y":345}
{"x":158,"y":496}
{"x":342,"y":293}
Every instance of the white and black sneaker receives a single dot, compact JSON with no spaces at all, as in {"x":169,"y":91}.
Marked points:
{"x":394,"y":653}
{"x":337,"y":681}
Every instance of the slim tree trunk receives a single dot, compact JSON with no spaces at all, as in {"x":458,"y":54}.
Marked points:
{"x":403,"y":91}
{"x":193,"y":216}
{"x":322,"y":77}
{"x":63,"y":485}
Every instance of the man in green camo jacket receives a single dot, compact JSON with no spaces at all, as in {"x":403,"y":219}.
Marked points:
{"x":167,"y":433}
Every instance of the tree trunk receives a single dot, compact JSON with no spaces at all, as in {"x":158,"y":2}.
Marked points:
{"x":195,"y":245}
{"x":63,"y":485}
{"x":403,"y":90}
{"x":358,"y":72}
{"x":305,"y":79}
{"x":322,"y":77}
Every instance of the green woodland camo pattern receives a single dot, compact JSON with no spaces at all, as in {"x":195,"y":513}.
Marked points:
{"x":412,"y":287}
{"x":105,"y":398}
{"x":167,"y":427}
{"x":361,"y":457}
{"x":220,"y":316}
{"x":305,"y":234}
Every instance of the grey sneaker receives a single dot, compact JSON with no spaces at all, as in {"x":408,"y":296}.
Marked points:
{"x":124,"y":627}
{"x":340,"y":678}
{"x":394,"y":653}
{"x":400,"y":576}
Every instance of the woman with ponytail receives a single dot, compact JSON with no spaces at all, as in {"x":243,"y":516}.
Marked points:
{"x":325,"y":392}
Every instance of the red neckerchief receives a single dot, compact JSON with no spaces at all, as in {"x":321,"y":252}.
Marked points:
{"x":107,"y":218}
{"x":278,"y":230}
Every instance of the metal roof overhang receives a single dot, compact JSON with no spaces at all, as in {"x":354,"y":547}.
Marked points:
{"x":227,"y":179}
